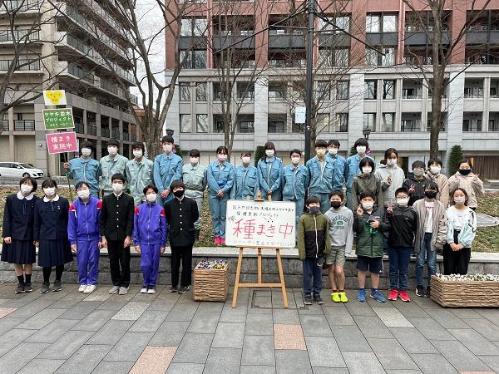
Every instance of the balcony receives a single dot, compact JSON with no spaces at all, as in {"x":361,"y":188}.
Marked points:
{"x":422,"y":38}
{"x":24,"y":125}
{"x":242,"y":41}
{"x":287,"y":63}
{"x":83,"y":74}
{"x":382,"y":38}
{"x":334,"y":40}
{"x":281,"y":40}
{"x":22,"y":65}
{"x":482,"y":37}
{"x":20,"y":6}
{"x":19,"y":36}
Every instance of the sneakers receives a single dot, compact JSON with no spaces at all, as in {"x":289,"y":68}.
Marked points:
{"x":318,"y":299}
{"x":361,"y":295}
{"x":420,"y":291}
{"x":183,"y":290}
{"x":90,"y":288}
{"x":378,"y":296}
{"x":217,"y":241}
{"x":404,"y":296}
{"x":335,"y":297}
{"x":222,"y":240}
{"x":57,"y":286}
{"x":307,"y":300}
{"x":45,"y":288}
{"x":28,"y":287}
{"x":114,"y":290}
{"x":343,"y":297}
{"x":20,"y":288}
{"x":82,"y":288}
{"x":393,"y":295}
{"x":173,"y":289}
{"x":123,"y":290}
{"x":151,"y":291}
{"x":143,"y":290}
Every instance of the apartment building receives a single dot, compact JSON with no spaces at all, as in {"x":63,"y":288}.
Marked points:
{"x":82,"y":48}
{"x":379,"y":87}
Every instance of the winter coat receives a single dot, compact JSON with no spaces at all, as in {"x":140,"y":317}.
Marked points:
{"x":439,"y":235}
{"x":419,"y":187}
{"x":403,"y":226}
{"x":397,"y":175}
{"x":313,"y":237}
{"x":149,"y":224}
{"x":370,"y":241}
{"x":470,"y":183}
{"x":443,"y":187}
{"x":84,"y":220}
{"x":366,"y":183}
{"x":138,"y":176}
{"x":294,"y":182}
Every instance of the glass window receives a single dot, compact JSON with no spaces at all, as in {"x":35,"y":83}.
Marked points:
{"x":199,"y":59}
{"x":322,"y":122}
{"x":341,"y":122}
{"x":326,"y":58}
{"x":389,"y":89}
{"x":246,"y":90}
{"x":370,"y":90}
{"x":343,"y":23}
{"x":200,"y":91}
{"x":341,"y":57}
{"x":371,"y":57}
{"x":186,"y":27}
{"x":199,"y":26}
{"x":390,"y":23}
{"x":342,"y":89}
{"x":277,"y":124}
{"x":186,"y":59}
{"x":370,"y":121}
{"x":372,"y":23}
{"x":185,"y":123}
{"x":185,"y":91}
{"x":277,"y":90}
{"x":388,"y":57}
{"x":323,"y":90}
{"x":388,"y":122}
{"x":245,"y":125}
{"x":201,"y":123}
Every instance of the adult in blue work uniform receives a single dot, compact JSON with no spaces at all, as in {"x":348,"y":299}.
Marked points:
{"x":353,"y":170}
{"x":138,"y":173}
{"x":167,"y":168}
{"x":320,"y":171}
{"x":85,"y":169}
{"x":113,"y":163}
{"x":339,"y":165}
{"x":246,"y":180}
{"x":295,"y":182}
{"x":220,"y":175}
{"x":270,"y":173}
{"x":194,"y":178}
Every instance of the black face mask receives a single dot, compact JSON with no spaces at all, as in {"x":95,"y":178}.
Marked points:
{"x":179,"y":193}
{"x":430,"y":194}
{"x":464,"y":171}
{"x":335,"y":204}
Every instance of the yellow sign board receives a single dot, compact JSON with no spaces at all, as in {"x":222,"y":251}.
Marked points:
{"x":54,"y":97}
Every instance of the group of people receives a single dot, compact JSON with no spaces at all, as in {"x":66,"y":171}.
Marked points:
{"x":165,"y":197}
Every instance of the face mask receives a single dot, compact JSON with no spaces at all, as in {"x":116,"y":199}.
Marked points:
{"x":179,"y":193}
{"x":221,"y":157}
{"x":194,"y":160}
{"x":464,"y":171}
{"x":246,"y":160}
{"x":151,"y":198}
{"x":112,"y":151}
{"x":83,"y":194}
{"x":391,"y":162}
{"x":320,"y":152}
{"x":460,"y":200}
{"x":402,"y":201}
{"x":335,"y":204}
{"x":367,"y":169}
{"x":86,"y":152}
{"x":167,"y":148}
{"x":26,"y":189}
{"x":367,"y":206}
{"x":137,"y":153}
{"x":314,"y":209}
{"x":49,"y":191}
{"x":269,"y":152}
{"x":361,"y":149}
{"x":430,"y":194}
{"x":333,"y":151}
{"x":295,"y":160}
{"x":418,"y":172}
{"x":117,"y":188}
{"x":435,"y":170}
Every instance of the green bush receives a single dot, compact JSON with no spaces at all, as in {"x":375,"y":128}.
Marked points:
{"x":455,"y":156}
{"x":259,"y":153}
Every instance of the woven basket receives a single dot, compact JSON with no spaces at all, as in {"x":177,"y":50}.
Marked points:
{"x":210,"y":284}
{"x":464,"y":294}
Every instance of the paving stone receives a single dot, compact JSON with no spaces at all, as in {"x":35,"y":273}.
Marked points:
{"x":32,"y":308}
{"x":223,"y":360}
{"x":492,"y":362}
{"x":6,"y":311}
{"x":113,"y":303}
{"x":475,"y":342}
{"x":149,"y":321}
{"x":229,"y":335}
{"x":194,"y":348}
{"x":41,"y":366}
{"x":110,"y":333}
{"x":53,"y":331}
{"x":230,"y":314}
{"x":359,"y":309}
{"x":63,"y":348}
{"x":81,"y":310}
{"x":182,"y":312}
{"x":162,"y":305}
{"x":433,"y":364}
{"x":291,"y":362}
{"x":289,"y":337}
{"x":350,"y":339}
{"x":154,"y":360}
{"x":323,"y":351}
{"x":131,"y":312}
{"x":12,"y":338}
{"x":204,"y":322}
{"x":169,"y":334}
{"x":116,"y":367}
{"x":94,"y":321}
{"x":210,"y":308}
{"x":315,"y":325}
{"x":84,"y":360}
{"x":338,"y":316}
{"x":258,"y":350}
{"x":391,"y":354}
{"x":326,"y":370}
{"x":362,"y":362}
{"x":100,"y":294}
{"x":411,"y":310}
{"x":466,"y":313}
{"x":286,"y":316}
{"x":484,"y":327}
{"x":20,"y":356}
{"x":41,"y":319}
{"x":257,"y":370}
{"x":459,"y":356}
{"x":431,"y":329}
{"x":9,"y":323}
{"x":412,"y":340}
{"x":259,"y":324}
{"x":392,"y":317}
{"x":130,"y":346}
{"x":372,"y":327}
{"x":447,"y":319}
{"x":185,"y":368}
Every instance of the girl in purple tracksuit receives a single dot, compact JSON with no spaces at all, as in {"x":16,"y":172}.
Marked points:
{"x":83,"y":234}
{"x":149,"y":237}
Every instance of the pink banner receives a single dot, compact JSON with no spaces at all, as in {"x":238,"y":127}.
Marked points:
{"x":62,"y":142}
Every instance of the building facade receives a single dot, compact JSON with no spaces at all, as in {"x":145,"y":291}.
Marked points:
{"x":368,"y":63}
{"x":78,"y":46}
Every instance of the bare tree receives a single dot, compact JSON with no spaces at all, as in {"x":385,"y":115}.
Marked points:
{"x":432,"y":19}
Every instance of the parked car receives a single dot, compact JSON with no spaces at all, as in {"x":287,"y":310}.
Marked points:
{"x":19,"y":170}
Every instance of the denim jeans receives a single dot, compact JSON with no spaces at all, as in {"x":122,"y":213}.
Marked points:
{"x":399,"y":264}
{"x":218,"y":208}
{"x":312,"y":277}
{"x":426,"y":254}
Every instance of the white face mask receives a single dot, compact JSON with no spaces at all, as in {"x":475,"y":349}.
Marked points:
{"x":137,"y":153}
{"x":49,"y":191}
{"x":194,"y":160}
{"x":117,"y":188}
{"x":151,"y":197}
{"x":435,"y":170}
{"x":402,"y":201}
{"x":269,"y":152}
{"x":167,"y":148}
{"x":246,"y":160}
{"x":391,"y":162}
{"x":221,"y":157}
{"x":26,"y":189}
{"x":83,"y":194}
{"x":367,"y":206}
{"x":361,"y":149}
{"x":320,"y":152}
{"x":295,"y":160}
{"x":460,"y":200}
{"x":367,"y":169}
{"x":86,"y":152}
{"x":112,"y":151}
{"x":333,"y":151}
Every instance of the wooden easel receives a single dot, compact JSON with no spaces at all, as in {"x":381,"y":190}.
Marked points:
{"x":259,"y":284}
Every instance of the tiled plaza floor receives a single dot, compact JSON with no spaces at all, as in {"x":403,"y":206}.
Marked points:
{"x":68,"y":332}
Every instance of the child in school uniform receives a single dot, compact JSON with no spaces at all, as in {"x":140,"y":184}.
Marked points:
{"x":149,"y":237}
{"x":51,"y":234}
{"x":83,"y":235}
{"x":18,"y":247}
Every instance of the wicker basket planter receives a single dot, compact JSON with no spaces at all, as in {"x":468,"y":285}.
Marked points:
{"x":464,"y":293}
{"x":211,"y":282}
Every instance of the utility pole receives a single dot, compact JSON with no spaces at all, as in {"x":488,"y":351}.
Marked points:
{"x":309,"y":76}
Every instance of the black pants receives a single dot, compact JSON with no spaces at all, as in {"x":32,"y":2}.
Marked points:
{"x":182,"y":254}
{"x":119,"y":262}
{"x":456,"y":262}
{"x":48,"y":270}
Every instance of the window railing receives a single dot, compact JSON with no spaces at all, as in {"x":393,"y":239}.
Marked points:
{"x":24,"y":125}
{"x":22,"y":36}
{"x":20,"y":5}
{"x":22,"y":65}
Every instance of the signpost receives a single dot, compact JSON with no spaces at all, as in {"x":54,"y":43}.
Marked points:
{"x":61,"y":142}
{"x":259,"y":224}
{"x":58,"y":119}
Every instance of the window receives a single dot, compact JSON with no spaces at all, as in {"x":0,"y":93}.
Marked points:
{"x":341,"y":122}
{"x":381,"y":23}
{"x":246,"y":90}
{"x":343,"y":23}
{"x":389,"y":89}
{"x":195,"y":59}
{"x":322,"y":123}
{"x":277,"y":90}
{"x":411,"y":122}
{"x":201,"y":123}
{"x":388,"y":57}
{"x":218,"y":123}
{"x":473,"y":88}
{"x":277,"y":123}
{"x":443,"y":121}
{"x":245,"y":124}
{"x":372,"y":23}
{"x":472,"y":121}
{"x":370,"y":87}
{"x":185,"y":91}
{"x":335,"y":25}
{"x":326,"y":59}
{"x":383,"y":57}
{"x":200,"y":91}
{"x":185,"y":123}
{"x":370,"y":121}
{"x":411,"y":89}
{"x":341,"y":57}
{"x":389,"y":23}
{"x":342,"y":88}
{"x":388,"y":122}
{"x":193,"y":26}
{"x":371,"y":57}
{"x":323,"y":90}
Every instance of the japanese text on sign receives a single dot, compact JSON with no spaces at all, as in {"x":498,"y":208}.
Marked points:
{"x":61,"y":142}
{"x":260,"y":224}
{"x":58,"y":119}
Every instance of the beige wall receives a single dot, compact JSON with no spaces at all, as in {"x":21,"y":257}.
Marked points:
{"x":24,"y":150}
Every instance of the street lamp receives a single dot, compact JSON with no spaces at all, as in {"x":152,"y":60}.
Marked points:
{"x":309,"y":76}
{"x":366,"y":132}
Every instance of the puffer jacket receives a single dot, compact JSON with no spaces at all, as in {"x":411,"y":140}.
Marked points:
{"x":470,"y":183}
{"x":369,"y":240}
{"x":313,"y":238}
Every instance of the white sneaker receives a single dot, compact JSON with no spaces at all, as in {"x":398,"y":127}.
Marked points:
{"x":82,"y":288}
{"x":114,"y":290}
{"x":151,"y":291}
{"x":90,"y":288}
{"x":123,"y":290}
{"x":143,"y":290}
